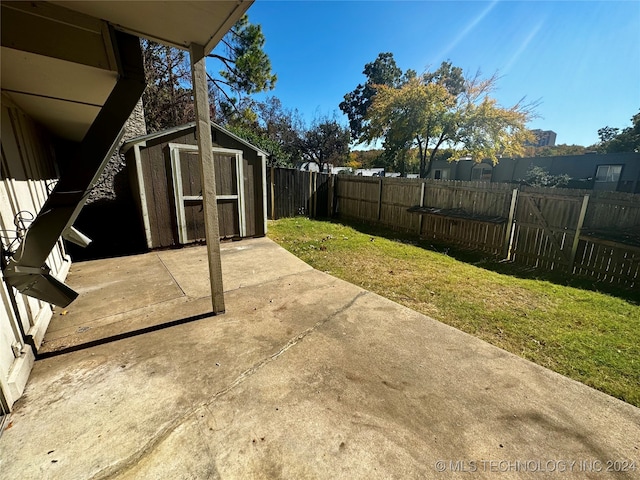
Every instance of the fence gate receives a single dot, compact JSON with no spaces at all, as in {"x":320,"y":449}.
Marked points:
{"x":187,"y":192}
{"x":547,"y":230}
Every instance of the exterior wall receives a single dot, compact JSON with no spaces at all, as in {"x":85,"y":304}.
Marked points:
{"x":581,"y":168}
{"x":110,"y":186}
{"x":28,"y":175}
{"x":109,"y":217}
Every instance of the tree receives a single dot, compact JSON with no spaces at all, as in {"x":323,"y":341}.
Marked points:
{"x":167,"y":98}
{"x":540,"y":177}
{"x":383,"y":71}
{"x":443,"y":108}
{"x":557,"y":150}
{"x":245,"y":69}
{"x":614,"y":140}
{"x":278,"y":156}
{"x":325,"y":142}
{"x":271,"y":127}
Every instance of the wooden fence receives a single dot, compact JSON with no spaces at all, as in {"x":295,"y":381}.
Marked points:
{"x":587,"y":233}
{"x":291,"y":192}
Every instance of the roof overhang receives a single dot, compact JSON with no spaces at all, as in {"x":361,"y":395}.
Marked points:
{"x":175,"y":23}
{"x":58,"y":58}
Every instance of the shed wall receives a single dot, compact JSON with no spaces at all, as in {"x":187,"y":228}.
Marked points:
{"x":155,"y":163}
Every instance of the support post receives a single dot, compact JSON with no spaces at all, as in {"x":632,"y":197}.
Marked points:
{"x":576,"y":238}
{"x":273,"y":198}
{"x":420,"y":217}
{"x":331,"y":194}
{"x":209,"y":201}
{"x":509,"y":227}
{"x":315,"y":194}
{"x":310,"y":196}
{"x":379,"y":197}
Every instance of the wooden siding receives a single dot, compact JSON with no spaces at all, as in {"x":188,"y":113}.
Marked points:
{"x":160,"y":195}
{"x":292,"y":192}
{"x":27,"y":175}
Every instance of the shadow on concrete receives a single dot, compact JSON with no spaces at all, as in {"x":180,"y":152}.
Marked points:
{"x":122,"y":336}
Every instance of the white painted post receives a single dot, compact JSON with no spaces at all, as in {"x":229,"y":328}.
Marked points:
{"x":273,"y":199}
{"x":209,"y":202}
{"x":576,"y":238}
{"x":509,"y":227}
{"x":143,"y":195}
{"x":263,"y":167}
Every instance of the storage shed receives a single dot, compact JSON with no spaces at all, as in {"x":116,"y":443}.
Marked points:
{"x":165,"y":173}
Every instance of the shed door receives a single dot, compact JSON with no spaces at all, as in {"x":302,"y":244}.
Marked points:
{"x":187,"y":190}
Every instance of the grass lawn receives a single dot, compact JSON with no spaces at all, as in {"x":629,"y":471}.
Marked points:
{"x":589,"y":336}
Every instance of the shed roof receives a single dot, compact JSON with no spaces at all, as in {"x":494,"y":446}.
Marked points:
{"x":152,"y":136}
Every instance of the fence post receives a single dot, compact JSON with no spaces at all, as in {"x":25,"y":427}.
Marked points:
{"x":330,"y":195}
{"x":576,"y":238}
{"x":273,"y":200}
{"x":315,"y":194}
{"x":420,"y":217}
{"x":508,"y":233}
{"x":309,"y":196}
{"x":379,"y":197}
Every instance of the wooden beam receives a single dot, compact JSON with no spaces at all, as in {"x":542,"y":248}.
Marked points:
{"x":509,"y":227}
{"x":273,"y":200}
{"x":576,"y":238}
{"x":332,"y":192}
{"x":379,"y":197}
{"x":209,"y":202}
{"x":422,"y":189}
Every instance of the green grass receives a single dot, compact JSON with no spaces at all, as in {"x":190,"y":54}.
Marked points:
{"x":586,"y":335}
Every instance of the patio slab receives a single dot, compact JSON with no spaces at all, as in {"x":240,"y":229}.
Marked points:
{"x":128,"y":294}
{"x":307,"y":376}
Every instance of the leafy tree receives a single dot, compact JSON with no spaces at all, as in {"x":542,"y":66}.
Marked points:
{"x":245,"y":70}
{"x":325,"y":142}
{"x":270,"y":126}
{"x":278,"y":156}
{"x":365,"y":158}
{"x":382,"y":71}
{"x":443,"y":108}
{"x":167,"y":98}
{"x":245,"y":67}
{"x":540,"y":177}
{"x":614,"y":140}
{"x":557,"y":150}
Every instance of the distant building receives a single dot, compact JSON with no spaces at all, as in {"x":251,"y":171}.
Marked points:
{"x":370,"y":172}
{"x":544,"y":138}
{"x":607,"y":171}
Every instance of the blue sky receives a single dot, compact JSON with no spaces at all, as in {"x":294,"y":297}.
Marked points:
{"x":580,"y":59}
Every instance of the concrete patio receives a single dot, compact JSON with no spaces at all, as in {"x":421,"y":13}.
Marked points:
{"x":305,"y":376}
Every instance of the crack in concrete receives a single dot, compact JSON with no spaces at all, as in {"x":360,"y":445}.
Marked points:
{"x":127,"y":464}
{"x":171,"y":275}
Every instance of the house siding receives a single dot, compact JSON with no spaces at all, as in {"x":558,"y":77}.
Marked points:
{"x":581,"y":168}
{"x":28,"y":175}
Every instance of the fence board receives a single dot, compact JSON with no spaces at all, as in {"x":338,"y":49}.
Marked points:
{"x":552,"y":229}
{"x":292,"y":193}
